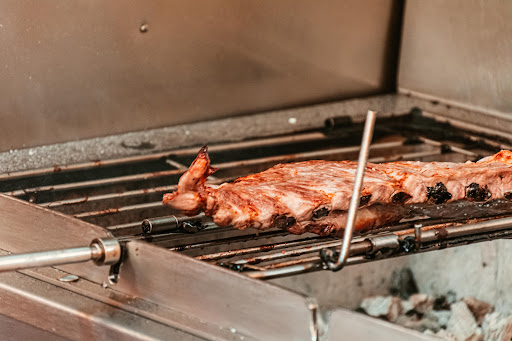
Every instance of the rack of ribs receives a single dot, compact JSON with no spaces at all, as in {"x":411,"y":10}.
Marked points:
{"x":313,"y":196}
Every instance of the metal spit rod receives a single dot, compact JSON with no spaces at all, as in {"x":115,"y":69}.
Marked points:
{"x":356,"y":193}
{"x":400,"y":243}
{"x":101,"y":251}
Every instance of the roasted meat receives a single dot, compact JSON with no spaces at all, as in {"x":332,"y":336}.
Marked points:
{"x":313,"y":196}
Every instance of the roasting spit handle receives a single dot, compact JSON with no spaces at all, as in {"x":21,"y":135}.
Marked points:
{"x":354,"y":201}
{"x":101,"y":251}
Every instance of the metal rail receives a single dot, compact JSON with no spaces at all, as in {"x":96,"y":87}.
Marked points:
{"x":396,"y":244}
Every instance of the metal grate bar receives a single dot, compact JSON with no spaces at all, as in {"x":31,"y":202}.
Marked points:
{"x":256,"y":249}
{"x":300,"y":137}
{"x":431,"y":237}
{"x":96,"y":183}
{"x":225,"y":165}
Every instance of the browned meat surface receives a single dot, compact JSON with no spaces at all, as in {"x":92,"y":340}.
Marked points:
{"x":313,"y":196}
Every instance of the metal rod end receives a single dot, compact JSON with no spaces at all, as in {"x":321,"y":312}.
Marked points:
{"x":109,"y":251}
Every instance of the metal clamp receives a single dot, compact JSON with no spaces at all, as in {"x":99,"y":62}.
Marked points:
{"x":354,"y":201}
{"x":383,"y":245}
{"x":172,"y":223}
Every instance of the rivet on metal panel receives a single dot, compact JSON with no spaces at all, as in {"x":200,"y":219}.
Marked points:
{"x":143,"y":28}
{"x":69,"y":278}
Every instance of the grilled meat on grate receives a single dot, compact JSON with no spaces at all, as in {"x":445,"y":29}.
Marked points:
{"x":313,"y":196}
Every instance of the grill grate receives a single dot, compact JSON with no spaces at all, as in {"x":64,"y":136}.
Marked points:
{"x":120,"y":194}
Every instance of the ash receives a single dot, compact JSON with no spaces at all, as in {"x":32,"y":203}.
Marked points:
{"x":447,"y":316}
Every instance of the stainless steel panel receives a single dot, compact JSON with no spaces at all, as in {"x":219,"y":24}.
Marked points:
{"x":27,"y":228}
{"x":460,"y":51}
{"x":60,"y":312}
{"x":74,"y":70}
{"x":347,"y":325}
{"x":197,"y":134}
{"x":14,"y":330}
{"x":248,"y":307}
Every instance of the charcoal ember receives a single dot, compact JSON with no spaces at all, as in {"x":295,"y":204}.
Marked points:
{"x":441,"y":316}
{"x":441,"y":303}
{"x":418,"y":323}
{"x":421,"y":303}
{"x":462,"y":323}
{"x":403,"y":283}
{"x":497,"y":327}
{"x":389,"y":307}
{"x":478,"y":308}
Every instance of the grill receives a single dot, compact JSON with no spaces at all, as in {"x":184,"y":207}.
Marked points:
{"x":124,"y":195}
{"x":100,"y":117}
{"x":118,"y":200}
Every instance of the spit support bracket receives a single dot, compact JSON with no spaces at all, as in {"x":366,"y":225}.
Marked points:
{"x":107,"y":251}
{"x":328,"y":256}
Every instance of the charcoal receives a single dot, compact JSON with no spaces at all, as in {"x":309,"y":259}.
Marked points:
{"x":388,"y":307}
{"x":441,"y":316}
{"x":497,"y":327}
{"x":478,"y":308}
{"x":441,"y":303}
{"x":403,"y":283}
{"x":462,"y":323}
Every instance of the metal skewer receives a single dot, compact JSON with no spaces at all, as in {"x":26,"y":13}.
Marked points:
{"x":354,"y":201}
{"x":101,"y":251}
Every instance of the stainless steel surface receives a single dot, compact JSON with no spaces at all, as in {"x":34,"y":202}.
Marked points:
{"x":26,"y":228}
{"x":251,"y":308}
{"x":348,"y":325}
{"x":356,"y":193}
{"x":97,"y":152}
{"x":130,"y":66}
{"x":64,"y":314}
{"x":458,"y":52}
{"x":14,"y":330}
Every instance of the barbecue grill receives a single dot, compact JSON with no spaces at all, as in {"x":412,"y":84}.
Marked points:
{"x":157,"y":274}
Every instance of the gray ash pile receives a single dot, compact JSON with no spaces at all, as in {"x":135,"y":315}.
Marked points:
{"x":446,"y":316}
